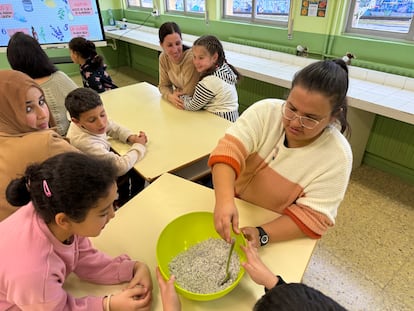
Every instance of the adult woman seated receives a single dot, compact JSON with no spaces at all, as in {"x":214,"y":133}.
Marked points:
{"x":177,"y":74}
{"x":26,"y":134}
{"x":290,"y":157}
{"x":25,"y":54}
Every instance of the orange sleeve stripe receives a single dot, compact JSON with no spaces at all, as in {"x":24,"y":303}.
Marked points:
{"x":214,"y":159}
{"x":301,"y":225}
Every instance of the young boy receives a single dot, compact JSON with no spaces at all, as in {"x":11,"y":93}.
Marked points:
{"x":89,"y":131}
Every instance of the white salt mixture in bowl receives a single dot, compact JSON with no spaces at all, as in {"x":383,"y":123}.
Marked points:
{"x":202,"y":268}
{"x":198,"y":277}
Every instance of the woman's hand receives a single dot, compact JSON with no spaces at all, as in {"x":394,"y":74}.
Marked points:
{"x":174,"y":98}
{"x":169,"y":297}
{"x":255,"y":267}
{"x":137,"y":298}
{"x":252,"y":235}
{"x":226,"y":217}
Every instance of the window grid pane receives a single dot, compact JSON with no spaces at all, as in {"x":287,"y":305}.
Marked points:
{"x":385,"y":16}
{"x":274,"y":11}
{"x":186,"y":6}
{"x":140,"y":3}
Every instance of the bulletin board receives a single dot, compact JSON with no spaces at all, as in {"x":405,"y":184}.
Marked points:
{"x":314,"y":8}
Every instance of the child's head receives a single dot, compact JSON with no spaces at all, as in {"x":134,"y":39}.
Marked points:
{"x":86,"y":110}
{"x":329,"y":78}
{"x":208,"y":53}
{"x":81,"y":49}
{"x":71,"y":184}
{"x":25,"y":54}
{"x":296,"y":296}
{"x":23,"y":107}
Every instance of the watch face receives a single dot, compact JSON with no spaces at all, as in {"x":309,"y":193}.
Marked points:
{"x":264,"y":239}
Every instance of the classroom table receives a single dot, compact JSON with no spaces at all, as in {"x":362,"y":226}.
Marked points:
{"x":137,"y":225}
{"x":176,"y":138}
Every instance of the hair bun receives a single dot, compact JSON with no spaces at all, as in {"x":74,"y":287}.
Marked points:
{"x":17,"y":193}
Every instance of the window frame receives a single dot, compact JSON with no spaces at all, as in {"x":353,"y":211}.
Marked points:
{"x":134,"y":7}
{"x":184,"y":12}
{"x":385,"y":35}
{"x":253,"y":17}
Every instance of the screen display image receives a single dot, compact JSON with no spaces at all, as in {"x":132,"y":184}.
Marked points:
{"x":52,"y":22}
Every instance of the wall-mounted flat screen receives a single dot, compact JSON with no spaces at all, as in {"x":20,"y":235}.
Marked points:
{"x":52,"y":22}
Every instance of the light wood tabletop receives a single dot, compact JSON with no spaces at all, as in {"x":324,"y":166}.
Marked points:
{"x":138,"y":224}
{"x":176,"y":138}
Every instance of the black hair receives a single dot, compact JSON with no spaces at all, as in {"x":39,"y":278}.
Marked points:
{"x":213,"y":45}
{"x":329,"y":77}
{"x":296,"y":296}
{"x":169,"y":28}
{"x":87,"y":50}
{"x":81,"y":100}
{"x":69,"y":183}
{"x":25,"y":54}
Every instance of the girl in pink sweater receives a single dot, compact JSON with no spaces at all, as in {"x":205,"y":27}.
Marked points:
{"x":64,"y":200}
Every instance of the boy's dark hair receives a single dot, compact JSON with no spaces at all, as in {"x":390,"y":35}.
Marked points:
{"x":69,"y":183}
{"x":296,"y":297}
{"x":25,"y":54}
{"x":81,"y":100}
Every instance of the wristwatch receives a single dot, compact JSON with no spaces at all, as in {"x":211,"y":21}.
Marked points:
{"x":263,"y":237}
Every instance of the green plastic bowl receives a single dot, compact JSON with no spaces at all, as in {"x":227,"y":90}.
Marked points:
{"x":184,"y":232}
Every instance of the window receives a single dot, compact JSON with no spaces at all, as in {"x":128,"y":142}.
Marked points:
{"x":186,"y":6}
{"x":266,"y":11}
{"x":386,"y":18}
{"x":140,"y":3}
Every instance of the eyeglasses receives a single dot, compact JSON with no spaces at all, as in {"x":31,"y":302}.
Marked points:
{"x":306,"y":122}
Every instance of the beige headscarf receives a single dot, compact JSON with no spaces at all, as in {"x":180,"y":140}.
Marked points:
{"x":13,"y":91}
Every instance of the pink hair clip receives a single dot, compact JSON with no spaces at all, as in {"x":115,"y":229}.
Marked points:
{"x":46,"y":189}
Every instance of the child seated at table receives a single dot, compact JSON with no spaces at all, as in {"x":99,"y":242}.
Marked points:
{"x":89,"y":132}
{"x":279,"y":295}
{"x":66,"y":199}
{"x":216,"y":91}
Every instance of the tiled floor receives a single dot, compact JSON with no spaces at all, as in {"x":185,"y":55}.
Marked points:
{"x":366,"y":261}
{"x":122,"y":76}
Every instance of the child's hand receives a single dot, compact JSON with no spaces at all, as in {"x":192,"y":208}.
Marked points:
{"x":142,"y":276}
{"x":250,"y":233}
{"x":141,"y":138}
{"x":169,"y":297}
{"x":257,"y":270}
{"x":138,"y":298}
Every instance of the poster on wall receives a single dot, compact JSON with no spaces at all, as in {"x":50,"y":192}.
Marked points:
{"x":51,"y":22}
{"x":314,"y":8}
